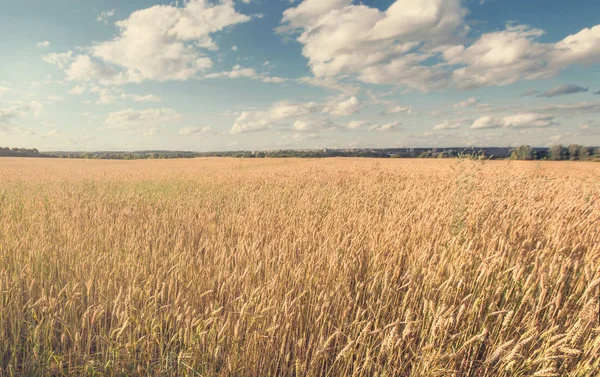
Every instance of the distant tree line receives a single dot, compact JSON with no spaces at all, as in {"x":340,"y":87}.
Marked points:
{"x":524,"y":152}
{"x":573,"y":152}
{"x":21,"y":152}
{"x":143,"y":155}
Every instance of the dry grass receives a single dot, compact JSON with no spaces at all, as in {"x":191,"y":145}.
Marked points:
{"x":218,"y":267}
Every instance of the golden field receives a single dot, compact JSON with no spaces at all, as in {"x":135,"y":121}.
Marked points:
{"x":333,"y":267}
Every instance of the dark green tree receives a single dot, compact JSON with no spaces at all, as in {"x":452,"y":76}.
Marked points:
{"x":556,"y":153}
{"x":522,"y":152}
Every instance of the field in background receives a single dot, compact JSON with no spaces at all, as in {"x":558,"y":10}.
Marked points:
{"x":337,"y":267}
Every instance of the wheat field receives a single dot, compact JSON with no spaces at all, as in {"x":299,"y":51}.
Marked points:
{"x":333,"y":267}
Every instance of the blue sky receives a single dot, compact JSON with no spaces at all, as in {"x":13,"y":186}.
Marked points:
{"x":270,"y":74}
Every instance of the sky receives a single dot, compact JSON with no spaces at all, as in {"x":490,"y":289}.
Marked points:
{"x":209,"y":75}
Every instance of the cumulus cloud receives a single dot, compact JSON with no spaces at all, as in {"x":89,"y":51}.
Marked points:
{"x":61,"y":60}
{"x":399,"y":109}
{"x":562,"y":90}
{"x":191,"y":131}
{"x":146,"y":120}
{"x":517,"y":121}
{"x":398,"y":46}
{"x":44,"y":44}
{"x":356,"y":124}
{"x":109,"y":95}
{"x":386,"y":127}
{"x":513,"y":54}
{"x":258,"y":120}
{"x":486,"y":122}
{"x":313,"y":125}
{"x":302,"y":116}
{"x":529,"y":120}
{"x":163,"y":42}
{"x":341,"y":38}
{"x":236,"y":72}
{"x":83,"y":68}
{"x":466,"y":103}
{"x":141,"y":98}
{"x":350,"y":106}
{"x":446,"y":126}
{"x":500,"y":58}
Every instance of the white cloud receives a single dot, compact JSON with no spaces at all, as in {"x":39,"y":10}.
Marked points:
{"x":486,"y":122}
{"x":44,"y":44}
{"x":350,"y":106}
{"x":61,"y":60}
{"x":105,"y":15}
{"x":341,"y":38}
{"x":446,"y":126}
{"x":163,"y":42}
{"x":580,"y":48}
{"x":386,"y":127}
{"x":355,"y":124}
{"x":138,"y":98}
{"x":190,"y":131}
{"x":142,"y":119}
{"x":234,"y":48}
{"x":83,"y":68}
{"x":514,"y":54}
{"x":312,"y":125}
{"x":517,"y":121}
{"x":55,"y":98}
{"x":466,"y":103}
{"x":397,"y":46}
{"x":399,"y":109}
{"x":499,"y":58}
{"x":258,"y":120}
{"x":109,"y":95}
{"x":529,"y":120}
{"x":105,"y":95}
{"x":236,"y":72}
{"x":311,"y":115}
{"x":407,"y":71}
{"x":305,"y":136}
{"x":273,"y":80}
